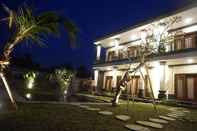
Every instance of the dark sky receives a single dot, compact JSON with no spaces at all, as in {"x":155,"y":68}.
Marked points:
{"x":94,"y":18}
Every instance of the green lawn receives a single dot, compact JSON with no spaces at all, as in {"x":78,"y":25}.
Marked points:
{"x":50,"y":117}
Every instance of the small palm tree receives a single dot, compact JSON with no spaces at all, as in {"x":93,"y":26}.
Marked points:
{"x":27,"y":26}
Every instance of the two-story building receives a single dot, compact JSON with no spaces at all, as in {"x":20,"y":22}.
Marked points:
{"x":173,"y":73}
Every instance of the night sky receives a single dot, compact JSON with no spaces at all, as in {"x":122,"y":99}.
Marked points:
{"x":94,"y":18}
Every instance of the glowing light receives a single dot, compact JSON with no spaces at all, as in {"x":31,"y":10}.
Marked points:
{"x":190,"y":29}
{"x":190,"y":61}
{"x":28,"y":96}
{"x":133,"y":37}
{"x":109,"y":68}
{"x":65,"y":92}
{"x":115,"y":37}
{"x":188,"y":20}
{"x":97,"y":43}
{"x":30,"y":84}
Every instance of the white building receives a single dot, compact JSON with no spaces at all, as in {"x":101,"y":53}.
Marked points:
{"x":173,"y":73}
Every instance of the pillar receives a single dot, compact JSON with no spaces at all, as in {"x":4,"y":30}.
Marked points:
{"x":96,"y":73}
{"x":162,"y":91}
{"x":98,"y":52}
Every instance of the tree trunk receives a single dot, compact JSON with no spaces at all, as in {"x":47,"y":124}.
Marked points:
{"x":8,"y":90}
{"x":150,"y":84}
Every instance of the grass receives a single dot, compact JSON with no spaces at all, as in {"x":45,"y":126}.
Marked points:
{"x":51,"y":117}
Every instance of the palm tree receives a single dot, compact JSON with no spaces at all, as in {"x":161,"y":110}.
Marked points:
{"x":25,"y":25}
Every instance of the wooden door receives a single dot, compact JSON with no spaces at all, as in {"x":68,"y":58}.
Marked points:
{"x":108,"y":83}
{"x":191,"y":83}
{"x":180,"y":87}
{"x":133,"y":85}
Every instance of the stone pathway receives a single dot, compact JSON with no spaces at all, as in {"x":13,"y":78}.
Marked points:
{"x":150,"y":124}
{"x":158,"y":120}
{"x":167,"y":118}
{"x":83,"y":106}
{"x":157,"y":123}
{"x":106,"y":113}
{"x":93,"y":109}
{"x":123,"y":117}
{"x":135,"y":127}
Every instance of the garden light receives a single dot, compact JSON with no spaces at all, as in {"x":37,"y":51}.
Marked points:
{"x":28,"y":96}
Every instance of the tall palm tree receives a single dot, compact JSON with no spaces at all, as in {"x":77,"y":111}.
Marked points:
{"x":25,"y":25}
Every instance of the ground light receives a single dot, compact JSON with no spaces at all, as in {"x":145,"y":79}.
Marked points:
{"x":28,"y":96}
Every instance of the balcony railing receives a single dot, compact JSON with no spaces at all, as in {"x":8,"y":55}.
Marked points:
{"x":182,"y":43}
{"x":167,"y":53}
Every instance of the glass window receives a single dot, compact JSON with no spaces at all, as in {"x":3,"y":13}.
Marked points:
{"x":188,"y":42}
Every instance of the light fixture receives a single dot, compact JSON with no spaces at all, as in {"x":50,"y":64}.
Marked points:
{"x":133,"y":37}
{"x":109,"y":68}
{"x":189,"y":61}
{"x":97,"y":43}
{"x":188,"y":20}
{"x":115,"y":37}
{"x":65,"y":92}
{"x":28,"y":96}
{"x":190,"y":29}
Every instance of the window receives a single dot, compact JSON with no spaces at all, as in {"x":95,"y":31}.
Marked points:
{"x":188,"y":42}
{"x":185,"y":41}
{"x":132,"y":51}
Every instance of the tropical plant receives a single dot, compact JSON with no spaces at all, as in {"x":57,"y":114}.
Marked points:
{"x":25,"y":25}
{"x":64,"y":78}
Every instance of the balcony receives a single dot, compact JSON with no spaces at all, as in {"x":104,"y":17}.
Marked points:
{"x":183,"y":44}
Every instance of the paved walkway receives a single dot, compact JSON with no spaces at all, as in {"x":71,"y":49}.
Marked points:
{"x":158,"y":122}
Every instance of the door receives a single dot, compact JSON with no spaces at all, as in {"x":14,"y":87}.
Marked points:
{"x":108,"y":83}
{"x":133,"y":86}
{"x":180,"y":87}
{"x":186,"y":87}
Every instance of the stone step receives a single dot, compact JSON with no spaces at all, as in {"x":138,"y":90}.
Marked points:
{"x":84,"y":106}
{"x":167,"y":118}
{"x":107,"y":113}
{"x":150,"y":124}
{"x":93,"y":109}
{"x":158,"y":120}
{"x":135,"y":127}
{"x":123,"y":117}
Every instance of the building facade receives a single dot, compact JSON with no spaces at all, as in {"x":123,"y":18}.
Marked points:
{"x":173,"y":72}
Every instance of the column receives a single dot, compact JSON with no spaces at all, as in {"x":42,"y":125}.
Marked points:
{"x":162,"y":91}
{"x":96,"y":73}
{"x":98,"y":52}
